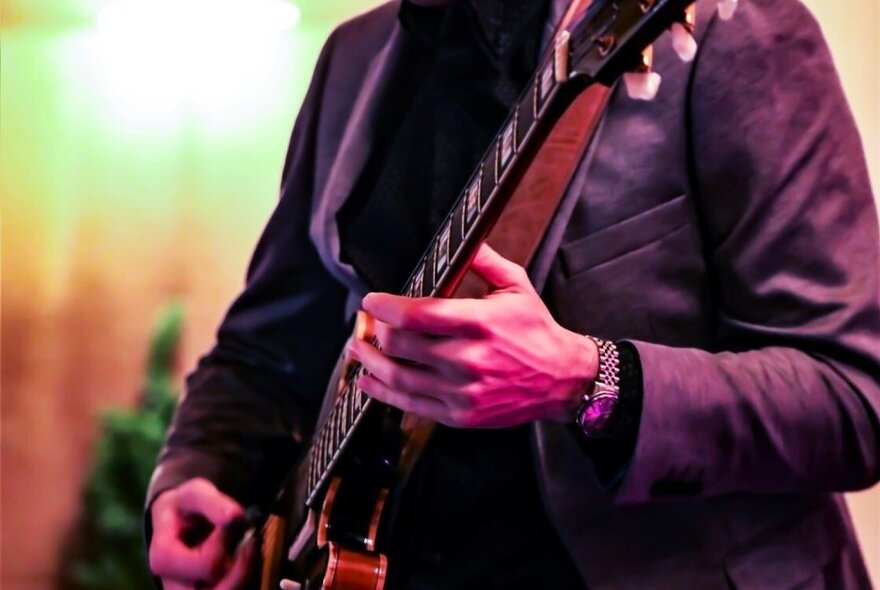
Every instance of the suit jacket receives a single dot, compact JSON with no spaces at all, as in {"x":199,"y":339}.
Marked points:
{"x":727,"y":229}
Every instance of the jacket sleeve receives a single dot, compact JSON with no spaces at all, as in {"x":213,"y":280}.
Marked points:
{"x":264,"y":378}
{"x":788,"y":401}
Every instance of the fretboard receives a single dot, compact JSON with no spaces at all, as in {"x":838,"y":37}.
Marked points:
{"x":451,"y":247}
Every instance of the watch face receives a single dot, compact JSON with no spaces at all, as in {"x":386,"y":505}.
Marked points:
{"x":595,"y":414}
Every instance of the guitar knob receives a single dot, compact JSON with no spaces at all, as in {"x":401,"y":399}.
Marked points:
{"x":683,"y":42}
{"x":642,"y":83}
{"x":726,"y":8}
{"x":647,"y":60}
{"x":689,"y":18}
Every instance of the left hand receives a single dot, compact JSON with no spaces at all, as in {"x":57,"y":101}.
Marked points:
{"x":493,"y":362}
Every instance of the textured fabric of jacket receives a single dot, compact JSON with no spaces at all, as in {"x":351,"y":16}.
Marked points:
{"x":726,"y":228}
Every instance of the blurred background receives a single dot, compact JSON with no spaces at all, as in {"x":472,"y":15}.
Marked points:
{"x":141,"y":143}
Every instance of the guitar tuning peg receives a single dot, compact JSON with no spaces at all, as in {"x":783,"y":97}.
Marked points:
{"x":683,"y":42}
{"x":642,"y":83}
{"x":647,"y":60}
{"x":689,"y":18}
{"x":726,"y":8}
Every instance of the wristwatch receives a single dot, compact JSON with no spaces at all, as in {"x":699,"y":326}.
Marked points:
{"x":601,"y":398}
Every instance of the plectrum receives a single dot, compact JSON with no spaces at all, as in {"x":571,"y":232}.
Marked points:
{"x":642,"y":85}
{"x":683,"y":42}
{"x":726,"y":8}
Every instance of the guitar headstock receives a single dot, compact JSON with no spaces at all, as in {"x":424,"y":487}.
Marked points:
{"x":612,"y":36}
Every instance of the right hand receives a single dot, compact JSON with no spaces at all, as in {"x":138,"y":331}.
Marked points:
{"x":190,"y":547}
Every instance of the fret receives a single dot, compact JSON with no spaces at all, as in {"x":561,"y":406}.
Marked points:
{"x":536,"y":101}
{"x":338,"y":429}
{"x":322,"y":451}
{"x":346,"y":410}
{"x":353,"y":406}
{"x":332,"y":427}
{"x":441,"y":256}
{"x":349,"y":409}
{"x":360,"y":399}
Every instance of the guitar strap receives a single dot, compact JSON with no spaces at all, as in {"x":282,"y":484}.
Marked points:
{"x":521,"y":227}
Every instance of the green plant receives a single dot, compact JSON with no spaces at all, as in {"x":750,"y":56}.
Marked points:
{"x":110,"y":552}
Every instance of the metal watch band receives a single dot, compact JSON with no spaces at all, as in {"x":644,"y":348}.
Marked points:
{"x":601,"y":399}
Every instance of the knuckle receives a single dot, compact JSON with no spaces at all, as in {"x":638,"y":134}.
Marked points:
{"x":398,"y":379}
{"x":407,"y":317}
{"x":461,"y":418}
{"x":158,"y":559}
{"x":390,"y":342}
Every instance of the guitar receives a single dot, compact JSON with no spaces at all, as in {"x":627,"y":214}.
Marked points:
{"x":326,"y":528}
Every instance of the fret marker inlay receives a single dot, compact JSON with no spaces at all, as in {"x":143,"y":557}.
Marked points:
{"x":508,"y":147}
{"x":442,"y":252}
{"x":472,"y":203}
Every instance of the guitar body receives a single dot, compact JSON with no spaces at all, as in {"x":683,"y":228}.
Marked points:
{"x":335,"y":543}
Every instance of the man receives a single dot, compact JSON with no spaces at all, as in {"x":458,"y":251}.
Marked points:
{"x":722,"y":238}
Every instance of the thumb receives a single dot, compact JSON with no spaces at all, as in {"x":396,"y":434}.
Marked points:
{"x":496,"y":270}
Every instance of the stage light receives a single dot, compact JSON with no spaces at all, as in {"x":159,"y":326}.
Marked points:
{"x":161,"y":60}
{"x":197,"y":18}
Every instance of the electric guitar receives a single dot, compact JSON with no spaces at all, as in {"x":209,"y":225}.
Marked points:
{"x":326,"y":528}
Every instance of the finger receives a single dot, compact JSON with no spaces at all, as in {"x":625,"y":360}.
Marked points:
{"x":420,"y":405}
{"x":497,"y":271}
{"x":238,"y":573}
{"x":409,"y":378}
{"x":199,"y":496}
{"x":171,"y":559}
{"x":405,"y":345}
{"x":442,"y":317}
{"x":172,"y":585}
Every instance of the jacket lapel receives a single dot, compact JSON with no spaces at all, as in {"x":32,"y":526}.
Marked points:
{"x":354,"y":151}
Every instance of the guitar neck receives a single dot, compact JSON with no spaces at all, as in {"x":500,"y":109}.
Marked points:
{"x":448,"y":255}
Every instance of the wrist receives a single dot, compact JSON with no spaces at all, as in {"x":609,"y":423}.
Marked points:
{"x":581,"y":368}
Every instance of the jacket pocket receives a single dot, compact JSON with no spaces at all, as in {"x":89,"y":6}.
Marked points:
{"x":789,"y":558}
{"x":624,"y":237}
